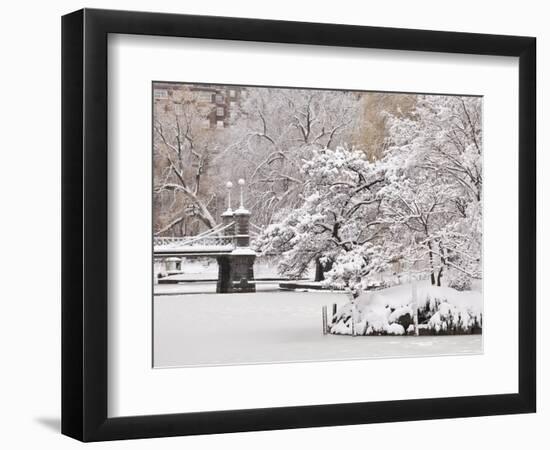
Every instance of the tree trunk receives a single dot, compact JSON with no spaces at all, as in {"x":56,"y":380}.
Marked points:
{"x":320,"y":269}
{"x":432,"y":274}
{"x":442,"y":253}
{"x":439,"y":275}
{"x":319,"y":274}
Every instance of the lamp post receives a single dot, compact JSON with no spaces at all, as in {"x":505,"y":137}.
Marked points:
{"x":241,"y":184}
{"x":229,"y":186}
{"x":227,"y":215}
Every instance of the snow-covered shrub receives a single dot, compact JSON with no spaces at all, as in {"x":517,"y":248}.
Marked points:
{"x":389,"y":321}
{"x":391,"y":312}
{"x":362,"y":319}
{"x":450,"y":319}
{"x":439,"y":316}
{"x":428,"y":308}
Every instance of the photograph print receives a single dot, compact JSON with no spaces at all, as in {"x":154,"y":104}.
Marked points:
{"x":298,"y":224}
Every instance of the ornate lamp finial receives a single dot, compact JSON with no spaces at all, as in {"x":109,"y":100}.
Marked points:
{"x":241,"y":184}
{"x":229,"y":186}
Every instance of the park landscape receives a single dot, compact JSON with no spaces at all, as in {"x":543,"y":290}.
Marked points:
{"x":294,"y":225}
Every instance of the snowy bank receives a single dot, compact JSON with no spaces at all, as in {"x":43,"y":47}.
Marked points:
{"x":440,"y":310}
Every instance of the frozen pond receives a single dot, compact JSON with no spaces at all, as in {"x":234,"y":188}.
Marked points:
{"x":270,"y":326}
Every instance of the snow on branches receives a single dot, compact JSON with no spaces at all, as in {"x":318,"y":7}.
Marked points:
{"x":277,"y":129}
{"x":337,"y":221}
{"x":183,"y":151}
{"x":433,"y":197}
{"x":418,"y":206}
{"x":356,"y":183}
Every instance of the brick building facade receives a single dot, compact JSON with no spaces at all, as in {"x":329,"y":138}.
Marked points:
{"x":217,"y":103}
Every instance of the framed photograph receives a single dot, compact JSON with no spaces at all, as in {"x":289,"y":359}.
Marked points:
{"x":273,"y":224}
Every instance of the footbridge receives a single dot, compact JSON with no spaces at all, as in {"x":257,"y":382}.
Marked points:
{"x":229,"y":243}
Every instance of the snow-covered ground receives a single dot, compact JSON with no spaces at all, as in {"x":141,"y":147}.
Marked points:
{"x":193,"y":328}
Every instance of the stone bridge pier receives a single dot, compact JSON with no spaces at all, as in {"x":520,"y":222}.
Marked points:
{"x":236,"y":270}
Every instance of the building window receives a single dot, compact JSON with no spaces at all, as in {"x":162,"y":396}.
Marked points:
{"x":205,"y":97}
{"x":232,"y":93}
{"x":219,"y":98}
{"x":219,"y":111}
{"x":178,"y":107}
{"x":219,"y":124}
{"x":161,"y":93}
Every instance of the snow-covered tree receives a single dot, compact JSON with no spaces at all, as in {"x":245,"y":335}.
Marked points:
{"x":337,"y":222}
{"x":419,"y":205}
{"x":184,"y":148}
{"x":442,"y":135}
{"x":434,"y":191}
{"x":277,"y":129}
{"x":416,"y":207}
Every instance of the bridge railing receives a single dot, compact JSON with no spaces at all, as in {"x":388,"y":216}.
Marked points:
{"x":206,"y":241}
{"x":207,"y":238}
{"x":210,"y":238}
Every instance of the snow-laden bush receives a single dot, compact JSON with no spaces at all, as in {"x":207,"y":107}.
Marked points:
{"x":372,"y":319}
{"x":391,"y":312}
{"x":450,"y":319}
{"x":438,"y":316}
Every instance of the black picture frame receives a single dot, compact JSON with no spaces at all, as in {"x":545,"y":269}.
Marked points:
{"x":84,"y":224}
